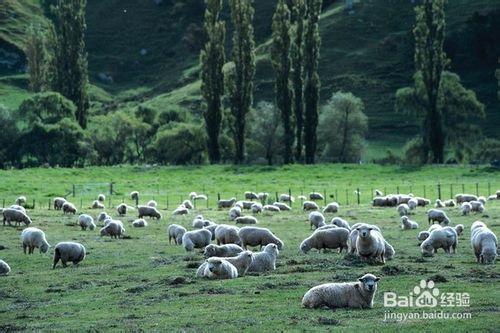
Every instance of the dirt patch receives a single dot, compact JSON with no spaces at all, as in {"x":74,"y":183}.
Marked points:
{"x":176,"y":281}
{"x":216,"y":291}
{"x":54,"y":289}
{"x":392,"y":270}
{"x":160,"y":261}
{"x":3,"y":247}
{"x":138,"y":289}
{"x":352,"y":260}
{"x":328,"y":321}
{"x":437,"y":278}
{"x":193,"y":264}
{"x":129,"y":237}
{"x":279,"y":285}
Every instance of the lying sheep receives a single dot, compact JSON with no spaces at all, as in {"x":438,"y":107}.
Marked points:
{"x":188,"y":204}
{"x":286,"y":198}
{"x":14,"y":215}
{"x":112,"y":228}
{"x":86,"y":221}
{"x":465,"y":208}
{"x":140,"y":223}
{"x":4,"y":268}
{"x":380,"y":202}
{"x":332,"y":207}
{"x":217,"y":268}
{"x":240,"y":261}
{"x":256,"y":208}
{"x":358,"y":294}
{"x":407,"y":224}
{"x":102,"y":217}
{"x":437,"y":215}
{"x":335,"y":238}
{"x":247,"y":219}
{"x":445,"y":238}
{"x":403,"y":209}
{"x":254,"y":236}
{"x":32,"y":238}
{"x":227,"y":250}
{"x":282,"y":206}
{"x":134,"y":195}
{"x":181,"y":210}
{"x":423,"y":235}
{"x":271,"y":208}
{"x":101,"y":197}
{"x":404,"y":198}
{"x":370,"y":244}
{"x":484,"y":243}
{"x":152,"y":203}
{"x":196,"y":239}
{"x":251,"y":196}
{"x":68,"y":251}
{"x":476,"y":206}
{"x":265,"y":260}
{"x":412,"y":203}
{"x":439,"y":204}
{"x":69,"y":208}
{"x":226,"y":203}
{"x":227,"y":234}
{"x":459,"y":198}
{"x":459,"y":228}
{"x":147,"y":211}
{"x":58,"y":203}
{"x":316,"y":219}
{"x":21,"y":200}
{"x":96,"y":204}
{"x":421,"y":202}
{"x":341,"y":223}
{"x":263,"y":196}
{"x":175,"y":232}
{"x":449,"y":203}
{"x":309,"y":205}
{"x":389,"y":251}
{"x":316,"y":196}
{"x":234,"y":212}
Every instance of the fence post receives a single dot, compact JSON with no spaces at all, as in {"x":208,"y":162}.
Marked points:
{"x":451,"y":191}
{"x":49,"y":203}
{"x":111,"y":188}
{"x":218,"y":197}
{"x":276,"y":195}
{"x":477,"y":189}
{"x":489,"y":188}
{"x":463,"y":188}
{"x":347,"y":196}
{"x":358,"y":194}
{"x":336,"y":195}
{"x":167,"y":201}
{"x":73,"y":190}
{"x":425,"y":194}
{"x":397,"y":189}
{"x":324,"y":196}
{"x":136,"y":201}
{"x":439,"y":191}
{"x":33,"y":203}
{"x":81,"y":203}
{"x":290,"y":194}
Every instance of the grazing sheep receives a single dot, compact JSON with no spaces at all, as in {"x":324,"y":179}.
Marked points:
{"x":254,"y":236}
{"x":21,"y":200}
{"x":217,"y":268}
{"x":492,"y":197}
{"x":465,"y":208}
{"x":370,"y":244}
{"x":484,"y":243}
{"x":316,"y":196}
{"x":226,"y":203}
{"x":227,"y":234}
{"x":181,"y":210}
{"x":423,"y":235}
{"x":335,"y":238}
{"x":211,"y":227}
{"x":332,"y":207}
{"x":188,"y":204}
{"x":282,"y":206}
{"x":102,"y":217}
{"x":449,"y":203}
{"x":152,"y":203}
{"x":378,"y":193}
{"x":113,"y":228}
{"x":68,"y":251}
{"x":134,"y":195}
{"x":407,"y":224}
{"x":286,"y":198}
{"x":196,"y":239}
{"x":199,"y":222}
{"x":101,"y":197}
{"x":122,"y":209}
{"x":403,"y":209}
{"x":140,"y":223}
{"x":226,"y":250}
{"x":69,"y":208}
{"x":32,"y":238}
{"x":256,"y":208}
{"x":19,"y":208}
{"x":439,"y":204}
{"x":459,"y":228}
{"x":309,"y":205}
{"x":245,"y":204}
{"x":175,"y":232}
{"x":316,"y":219}
{"x":86,"y":221}
{"x":4,"y":268}
{"x":476,"y":206}
{"x":421,"y":202}
{"x":341,"y":223}
{"x":271,"y":208}
{"x":58,"y":203}
{"x":445,"y":238}
{"x":147,"y":211}
{"x":358,"y":294}
{"x":389,"y":251}
{"x":234,"y":212}
{"x":437,"y":215}
{"x":96,"y":204}
{"x":412,"y":203}
{"x":14,"y":215}
{"x":263,"y":196}
{"x":251,"y":196}
{"x":265,"y":260}
{"x":459,"y":198}
{"x":247,"y":219}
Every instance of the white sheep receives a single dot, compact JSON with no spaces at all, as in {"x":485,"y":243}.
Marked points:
{"x":101,"y":197}
{"x":445,"y":238}
{"x":152,"y":203}
{"x":422,"y":202}
{"x":4,"y":268}
{"x":459,"y":228}
{"x":234,"y":212}
{"x":69,"y":208}
{"x":211,"y":227}
{"x":423,"y":235}
{"x":439,"y":204}
{"x":413,"y":203}
{"x":262,"y":196}
{"x":175,"y":232}
{"x":241,"y":261}
{"x":181,"y":210}
{"x":437,"y":215}
{"x":134,"y":195}
{"x":332,"y":207}
{"x":226,"y":203}
{"x":282,"y":206}
{"x":370,"y":244}
{"x":265,"y":260}
{"x":309,"y":205}
{"x":122,"y":208}
{"x":459,"y":198}
{"x":247,"y":219}
{"x":484,"y":243}
{"x":32,"y":238}
{"x":68,"y":251}
{"x":86,"y":221}
{"x":403,"y":209}
{"x":316,"y":219}
{"x":335,"y":238}
{"x":251,"y":196}
{"x":58,"y":203}
{"x":96,"y":204}
{"x":465,"y":208}
{"x":477,"y":224}
{"x":271,"y":208}
{"x":254,"y":236}
{"x":476,"y":206}
{"x":316,"y":196}
{"x":245,"y":204}
{"x":227,"y":234}
{"x":341,"y":223}
{"x":226,"y":250}
{"x":102,"y":217}
{"x":358,"y":294}
{"x":14,"y":215}
{"x":148,"y":211}
{"x":188,"y":204}
{"x":256,"y":208}
{"x":19,"y":208}
{"x":199,"y":222}
{"x":286,"y":198}
{"x":407,"y":224}
{"x":140,"y":223}
{"x":112,"y":228}
{"x":217,"y":268}
{"x":482,"y":200}
{"x":302,"y":197}
{"x":449,"y":203}
{"x":21,"y":200}
{"x":434,"y":227}
{"x":196,"y":239}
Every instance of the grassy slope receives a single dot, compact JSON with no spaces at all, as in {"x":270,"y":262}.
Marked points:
{"x":131,"y":284}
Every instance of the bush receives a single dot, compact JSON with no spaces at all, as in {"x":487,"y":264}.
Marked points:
{"x":182,"y":144}
{"x":487,"y":151}
{"x":46,"y":107}
{"x":8,"y":137}
{"x":413,"y":152}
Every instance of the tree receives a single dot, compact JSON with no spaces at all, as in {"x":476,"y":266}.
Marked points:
{"x":280,"y":55}
{"x":212,"y":60}
{"x":430,"y":61}
{"x":70,"y":57}
{"x":265,"y":129}
{"x":36,"y":56}
{"x":241,"y":74}
{"x":182,"y":144}
{"x":312,"y":42}
{"x":299,"y":11}
{"x":342,"y":128}
{"x":9,"y":136}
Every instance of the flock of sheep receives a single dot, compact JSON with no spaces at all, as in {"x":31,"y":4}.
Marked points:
{"x":230,"y":258}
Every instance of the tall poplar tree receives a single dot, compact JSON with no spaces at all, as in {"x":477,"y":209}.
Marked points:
{"x":36,"y":56}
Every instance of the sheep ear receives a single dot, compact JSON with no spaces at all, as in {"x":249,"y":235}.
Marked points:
{"x":361,"y":280}
{"x":377,"y":279}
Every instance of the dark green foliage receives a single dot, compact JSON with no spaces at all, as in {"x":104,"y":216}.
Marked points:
{"x":241,"y":74}
{"x":182,"y":144}
{"x":312,"y":42}
{"x":280,"y":55}
{"x":212,"y":60}
{"x":487,"y":151}
{"x":47,"y":108}
{"x":8,"y":138}
{"x":266,"y":131}
{"x":37,"y":58}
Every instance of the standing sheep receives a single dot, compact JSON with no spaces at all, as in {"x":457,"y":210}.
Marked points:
{"x":459,"y":228}
{"x":316,"y":196}
{"x":265,"y":260}
{"x":412,"y":203}
{"x":437,"y":215}
{"x":234,"y":212}
{"x":465,"y":208}
{"x":134,"y":195}
{"x":484,"y":243}
{"x":122,"y":209}
{"x":227,"y":234}
{"x":407,"y":224}
{"x":21,"y":200}
{"x":459,"y":198}
{"x":256,"y":208}
{"x":254,"y":236}
{"x":69,"y":208}
{"x":316,"y":219}
{"x":370,"y":244}
{"x":286,"y":198}
{"x":196,"y":239}
{"x":58,"y":203}
{"x":226,"y":203}
{"x":86,"y":221}
{"x":14,"y":215}
{"x":147,"y":211}
{"x":335,"y":238}
{"x":332,"y":207}
{"x":403,"y":209}
{"x":32,"y":238}
{"x":309,"y":205}
{"x":476,"y":206}
{"x":263,"y":196}
{"x":102,"y":217}
{"x":217,"y":268}
{"x":113,"y":228}
{"x":4,"y":268}
{"x":445,"y":238}
{"x":68,"y":251}
{"x":341,"y":223}
{"x":175,"y":232}
{"x":247,"y":219}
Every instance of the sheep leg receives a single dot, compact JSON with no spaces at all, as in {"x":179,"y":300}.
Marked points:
{"x":57,"y":256}
{"x":31,"y":249}
{"x":24,"y":248}
{"x":64,"y":263}
{"x":477,"y":254}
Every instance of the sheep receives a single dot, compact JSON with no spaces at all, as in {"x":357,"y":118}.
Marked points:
{"x":69,"y":208}
{"x":484,"y":243}
{"x":439,"y":204}
{"x":460,"y":198}
{"x":437,"y":215}
{"x":199,"y":222}
{"x":482,"y":200}
{"x":459,"y":228}
{"x":378,"y":193}
{"x":262,"y":196}
{"x":379,"y":202}
{"x":423,"y":235}
{"x":102,"y":217}
{"x":134,"y":195}
{"x":227,"y":234}
{"x":245,"y":204}
{"x":226,"y":203}
{"x":326,"y":227}
{"x":140,"y":223}
{"x":234,"y":212}
{"x":302,"y":197}
{"x":341,"y":223}
{"x":256,"y":208}
{"x":492,"y":197}
{"x":309,"y":205}
{"x":68,"y":251}
{"x":14,"y":215}
{"x":476,"y":206}
{"x":370,"y":244}
{"x":188,"y":204}
{"x":152,"y":203}
{"x":358,"y":294}
{"x":196,"y":239}
{"x":286,"y":198}
{"x":422,"y":202}
{"x":21,"y":200}
{"x":122,"y":209}
{"x":332,"y":207}
{"x":265,"y":260}
{"x":477,"y":224}
{"x":175,"y":232}
{"x":96,"y":204}
{"x":181,"y":210}
{"x":445,"y":238}
{"x":33,"y":237}
{"x":217,"y":268}
{"x":58,"y":203}
{"x":282,"y":206}
{"x":412,"y":203}
{"x":434,"y":227}
{"x":247,"y":219}
{"x":211,"y":227}
{"x":113,"y":228}
{"x":316,"y":196}
{"x":271,"y":208}
{"x":316,"y":219}
{"x":389,"y":251}
{"x":19,"y":208}
{"x":4,"y":268}
{"x":326,"y":239}
{"x":147,"y":211}
{"x":193,"y":195}
{"x":254,"y":236}
{"x":403,"y":209}
{"x":407,"y":224}
{"x":229,"y":250}
{"x":404,"y":198}
{"x":465,"y":208}
{"x":86,"y":221}
{"x":251,"y":196}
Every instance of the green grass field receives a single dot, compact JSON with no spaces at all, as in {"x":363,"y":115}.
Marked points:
{"x":142,"y":282}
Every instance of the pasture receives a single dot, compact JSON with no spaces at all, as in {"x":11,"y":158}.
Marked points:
{"x":142,"y":282}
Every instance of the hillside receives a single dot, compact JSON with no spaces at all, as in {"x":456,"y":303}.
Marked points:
{"x":150,"y":50}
